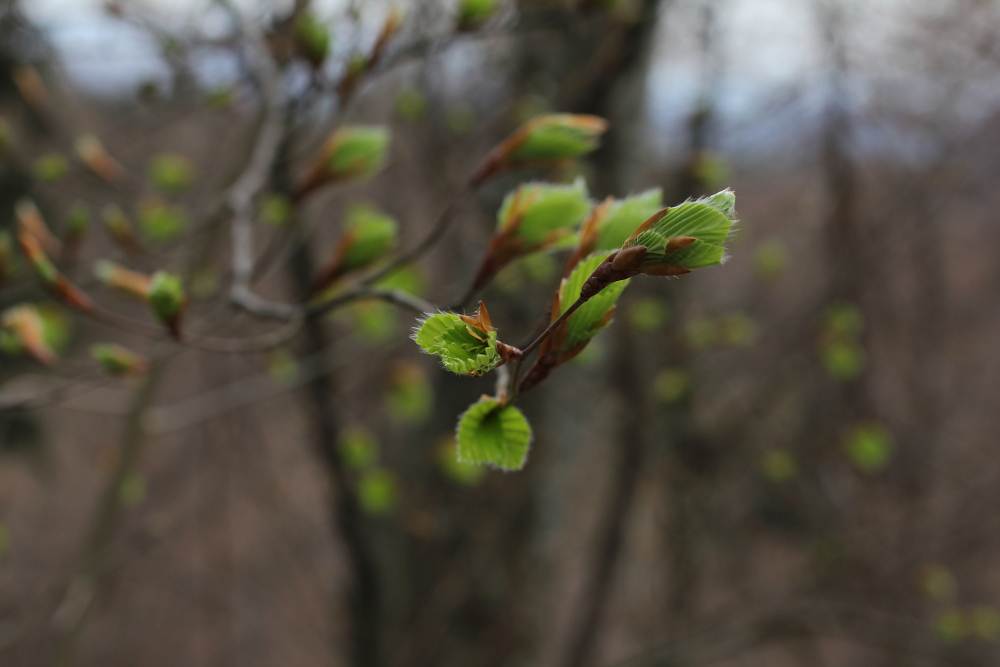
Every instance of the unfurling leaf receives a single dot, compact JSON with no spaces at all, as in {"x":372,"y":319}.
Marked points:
{"x":92,"y":153}
{"x":493,"y":434}
{"x":351,"y":152}
{"x":546,"y":140}
{"x":117,"y":360}
{"x":685,"y":237}
{"x":534,"y":217}
{"x":466,"y":345}
{"x":171,"y":173}
{"x":22,"y":329}
{"x":369,"y":236}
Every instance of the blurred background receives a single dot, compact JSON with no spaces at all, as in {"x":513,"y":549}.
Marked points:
{"x":781,"y":461}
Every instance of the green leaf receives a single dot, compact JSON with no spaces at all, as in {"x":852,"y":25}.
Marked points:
{"x":171,"y":173}
{"x":545,"y":210}
{"x":378,"y":491}
{"x":558,"y":136}
{"x":869,"y":447}
{"x":493,"y":434}
{"x":447,"y":336}
{"x":373,"y":234}
{"x":358,"y":151}
{"x":625,"y":215}
{"x":593,"y":315}
{"x":460,"y":472}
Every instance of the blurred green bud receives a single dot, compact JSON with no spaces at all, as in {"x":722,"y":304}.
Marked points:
{"x":738,"y":330}
{"x":844,"y":359}
{"x":474,"y":13}
{"x":545,"y":140}
{"x":350,"y":152}
{"x":986,"y":623}
{"x":51,"y":167}
{"x":275,"y":210}
{"x":938,"y":583}
{"x":358,"y":448}
{"x":671,"y":385}
{"x":312,"y":38}
{"x":78,"y":219}
{"x":411,"y":105}
{"x":132,"y":490}
{"x":378,"y":491}
{"x":952,"y":625}
{"x":869,"y":446}
{"x":779,"y":465}
{"x":770,"y":258}
{"x":282,"y":365}
{"x":171,"y":173}
{"x":460,"y":119}
{"x":168,"y":301}
{"x":844,"y":319}
{"x":117,"y":360}
{"x":410,"y":396}
{"x":161,"y":221}
{"x":647,"y":314}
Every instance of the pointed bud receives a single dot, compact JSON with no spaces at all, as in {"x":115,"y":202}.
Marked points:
{"x":29,"y":85}
{"x":370,"y":235}
{"x":49,"y":275}
{"x":120,"y":228}
{"x":118,"y":361}
{"x":123,"y":280}
{"x":546,"y":140}
{"x":23,"y":326}
{"x":31,"y":222}
{"x":92,"y":153}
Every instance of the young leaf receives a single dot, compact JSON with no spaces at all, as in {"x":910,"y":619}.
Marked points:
{"x":462,"y":349}
{"x":493,"y":434}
